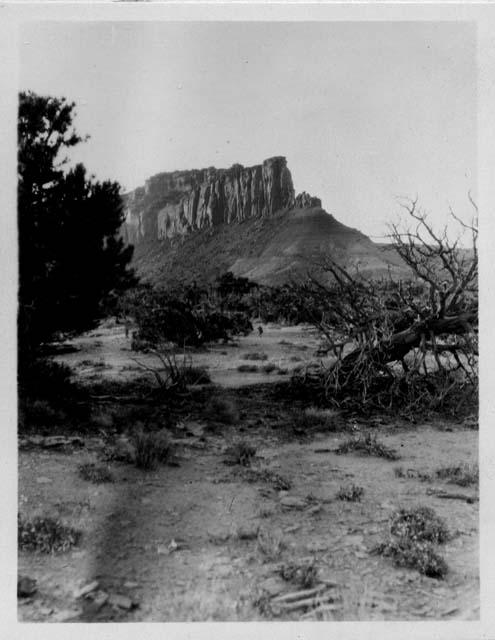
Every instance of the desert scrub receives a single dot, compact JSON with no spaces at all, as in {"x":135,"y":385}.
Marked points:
{"x":247,"y":368}
{"x":350,"y":493}
{"x":240,"y":453}
{"x":196,"y":375}
{"x":367,"y":445}
{"x":97,"y":474}
{"x":222,"y":410}
{"x":414,"y":534}
{"x":421,"y":556}
{"x":303,"y":575}
{"x":419,"y":524}
{"x":270,"y":542}
{"x":254,"y":356}
{"x":268,"y":368}
{"x":150,"y":448}
{"x":461,"y":474}
{"x":45,"y":535}
{"x":277,"y":480}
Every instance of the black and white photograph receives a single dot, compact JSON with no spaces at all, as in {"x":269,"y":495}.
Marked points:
{"x":247,"y":321}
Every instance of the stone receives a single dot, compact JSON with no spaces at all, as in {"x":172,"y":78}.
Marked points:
{"x":26,"y":587}
{"x":272,"y":586}
{"x":43,"y":480}
{"x":88,"y":588}
{"x":121,"y":602}
{"x":293,"y":502}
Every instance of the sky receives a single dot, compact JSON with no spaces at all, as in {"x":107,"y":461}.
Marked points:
{"x":364,"y":112}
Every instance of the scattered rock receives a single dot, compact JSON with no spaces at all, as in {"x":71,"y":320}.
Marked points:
{"x":218,"y":536}
{"x":121,"y":602}
{"x":26,"y":586}
{"x":273,"y":586}
{"x":293,"y":502}
{"x":316,"y":546}
{"x":292,"y":528}
{"x":99,"y":599}
{"x":128,"y":584}
{"x":88,"y":588}
{"x":66,"y":615}
{"x":43,"y":480}
{"x":313,"y":510}
{"x":248,"y":530}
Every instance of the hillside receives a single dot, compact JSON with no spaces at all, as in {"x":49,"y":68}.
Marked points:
{"x":268,"y":250}
{"x":195,"y":225}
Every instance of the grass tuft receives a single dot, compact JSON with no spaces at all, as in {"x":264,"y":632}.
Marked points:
{"x":303,"y":575}
{"x":254,"y":356}
{"x":247,"y":368}
{"x":97,"y":474}
{"x":421,"y":556}
{"x":241,"y":453}
{"x":367,"y":445}
{"x":222,"y":410}
{"x":150,"y":448}
{"x":350,"y":493}
{"x":419,"y":524}
{"x":461,"y":474}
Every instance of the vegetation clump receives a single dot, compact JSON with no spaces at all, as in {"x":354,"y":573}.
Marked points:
{"x":150,"y":448}
{"x":462,"y":474}
{"x":45,"y":535}
{"x":304,"y":575}
{"x":222,"y":410}
{"x":367,"y":445}
{"x":350,"y":493}
{"x":97,"y":474}
{"x":241,"y":453}
{"x":414,"y":535}
{"x":247,"y":368}
{"x":254,"y":355}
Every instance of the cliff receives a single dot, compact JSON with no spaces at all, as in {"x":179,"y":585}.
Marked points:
{"x":176,"y":203}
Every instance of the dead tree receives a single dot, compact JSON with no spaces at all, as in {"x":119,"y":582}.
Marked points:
{"x":429,"y":320}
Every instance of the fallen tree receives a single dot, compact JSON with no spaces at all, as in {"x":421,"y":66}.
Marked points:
{"x":389,"y":334}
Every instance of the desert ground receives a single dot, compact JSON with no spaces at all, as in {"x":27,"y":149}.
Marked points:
{"x":207,"y":537}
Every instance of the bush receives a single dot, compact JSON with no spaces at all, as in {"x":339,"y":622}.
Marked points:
{"x":421,"y":524}
{"x":367,"y":445}
{"x":304,"y":575}
{"x":150,"y":448}
{"x":254,"y":356}
{"x":413,"y":536}
{"x":97,"y":474}
{"x":351,"y":493}
{"x":222,"y":410}
{"x":241,"y":453}
{"x":45,"y":535}
{"x":463,"y":475}
{"x":247,"y":368}
{"x":414,"y":555}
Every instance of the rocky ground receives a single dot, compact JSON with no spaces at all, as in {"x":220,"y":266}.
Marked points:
{"x":200,"y":539}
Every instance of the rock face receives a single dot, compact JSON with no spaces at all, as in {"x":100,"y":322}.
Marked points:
{"x":172,"y":204}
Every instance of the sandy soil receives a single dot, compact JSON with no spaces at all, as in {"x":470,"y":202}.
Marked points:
{"x":181,"y":541}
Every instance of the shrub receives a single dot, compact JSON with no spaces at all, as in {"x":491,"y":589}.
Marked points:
{"x":247,"y":368}
{"x":268,"y":368}
{"x":414,"y":555}
{"x":421,"y":524}
{"x":150,"y":448}
{"x":254,"y":356}
{"x":367,"y":445}
{"x":222,"y":410}
{"x":270,"y":542}
{"x":97,"y":474}
{"x":45,"y":535}
{"x":350,"y":493}
{"x":304,"y":574}
{"x":241,"y":453}
{"x":463,"y":475}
